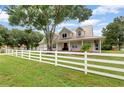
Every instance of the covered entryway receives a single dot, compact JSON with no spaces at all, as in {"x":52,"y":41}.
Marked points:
{"x":96,"y":43}
{"x":65,"y":46}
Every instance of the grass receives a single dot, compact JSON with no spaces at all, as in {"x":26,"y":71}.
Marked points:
{"x":20,"y":72}
{"x":112,"y":51}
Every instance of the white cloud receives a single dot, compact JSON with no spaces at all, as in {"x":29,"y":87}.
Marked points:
{"x":103,"y":24}
{"x":67,"y":24}
{"x":97,"y":24}
{"x":4,"y":16}
{"x":97,"y":32}
{"x":91,"y":22}
{"x":102,"y":10}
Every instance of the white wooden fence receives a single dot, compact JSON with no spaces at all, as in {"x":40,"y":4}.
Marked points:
{"x":77,"y":61}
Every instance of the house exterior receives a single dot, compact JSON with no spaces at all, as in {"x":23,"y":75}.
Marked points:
{"x":73,"y":40}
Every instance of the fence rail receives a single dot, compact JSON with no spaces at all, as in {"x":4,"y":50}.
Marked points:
{"x":77,"y":61}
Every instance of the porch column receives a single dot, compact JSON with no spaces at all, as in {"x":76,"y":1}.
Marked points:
{"x":93,"y":46}
{"x":100,"y":45}
{"x":69,"y":47}
{"x":56,"y":46}
{"x":82,"y":43}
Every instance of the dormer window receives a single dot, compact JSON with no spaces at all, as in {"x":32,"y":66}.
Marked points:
{"x":79,"y":33}
{"x":64,"y":35}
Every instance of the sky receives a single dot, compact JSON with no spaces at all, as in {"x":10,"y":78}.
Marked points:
{"x":101,"y":16}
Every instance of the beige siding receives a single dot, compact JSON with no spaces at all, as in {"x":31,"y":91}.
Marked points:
{"x":82,"y":33}
{"x":75,"y":46}
{"x":68,"y":32}
{"x":88,"y":31}
{"x":42,"y":47}
{"x":60,"y":46}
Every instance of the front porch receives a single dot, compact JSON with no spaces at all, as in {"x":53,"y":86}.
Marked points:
{"x":75,"y":45}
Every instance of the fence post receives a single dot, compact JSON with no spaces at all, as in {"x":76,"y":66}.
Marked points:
{"x":6,"y":51}
{"x":29,"y":53}
{"x":22,"y":54}
{"x":12,"y":52}
{"x":55,"y":58}
{"x":40,"y":56}
{"x":85,"y":62}
{"x":16,"y":52}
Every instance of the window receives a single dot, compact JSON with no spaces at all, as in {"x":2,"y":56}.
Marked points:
{"x":79,"y":33}
{"x":64,"y":35}
{"x":54,"y":45}
{"x":74,"y":46}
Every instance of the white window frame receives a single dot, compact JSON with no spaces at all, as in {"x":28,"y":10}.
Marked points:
{"x":64,"y":35}
{"x":74,"y":46}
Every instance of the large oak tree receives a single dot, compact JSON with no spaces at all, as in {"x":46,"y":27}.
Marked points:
{"x":46,"y":17}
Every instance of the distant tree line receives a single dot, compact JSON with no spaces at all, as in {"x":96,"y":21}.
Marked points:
{"x":17,"y":38}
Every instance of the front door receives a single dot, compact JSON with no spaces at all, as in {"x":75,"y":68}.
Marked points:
{"x":65,"y":46}
{"x":96,"y":45}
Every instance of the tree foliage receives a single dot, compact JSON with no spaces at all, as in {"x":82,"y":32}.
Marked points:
{"x":46,"y":18}
{"x":114,"y":33}
{"x":1,"y":40}
{"x":3,"y":35}
{"x":17,"y":38}
{"x":85,"y":47}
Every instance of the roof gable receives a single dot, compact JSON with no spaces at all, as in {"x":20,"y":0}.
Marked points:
{"x":79,"y":28}
{"x":65,"y":29}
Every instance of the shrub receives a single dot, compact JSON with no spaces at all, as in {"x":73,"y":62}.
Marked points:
{"x":106,"y":46}
{"x":86,"y":47}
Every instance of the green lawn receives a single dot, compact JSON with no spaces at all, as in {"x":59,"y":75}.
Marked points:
{"x":20,"y":72}
{"x":112,"y":51}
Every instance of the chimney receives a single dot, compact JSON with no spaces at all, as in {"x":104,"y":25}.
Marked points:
{"x":88,"y":30}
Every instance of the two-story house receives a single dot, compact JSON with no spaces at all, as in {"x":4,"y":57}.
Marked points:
{"x":72,"y":40}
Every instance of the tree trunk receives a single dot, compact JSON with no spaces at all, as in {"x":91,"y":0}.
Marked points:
{"x":119,"y":47}
{"x":49,"y":37}
{"x":28,"y":47}
{"x":50,"y":43}
{"x":49,"y":47}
